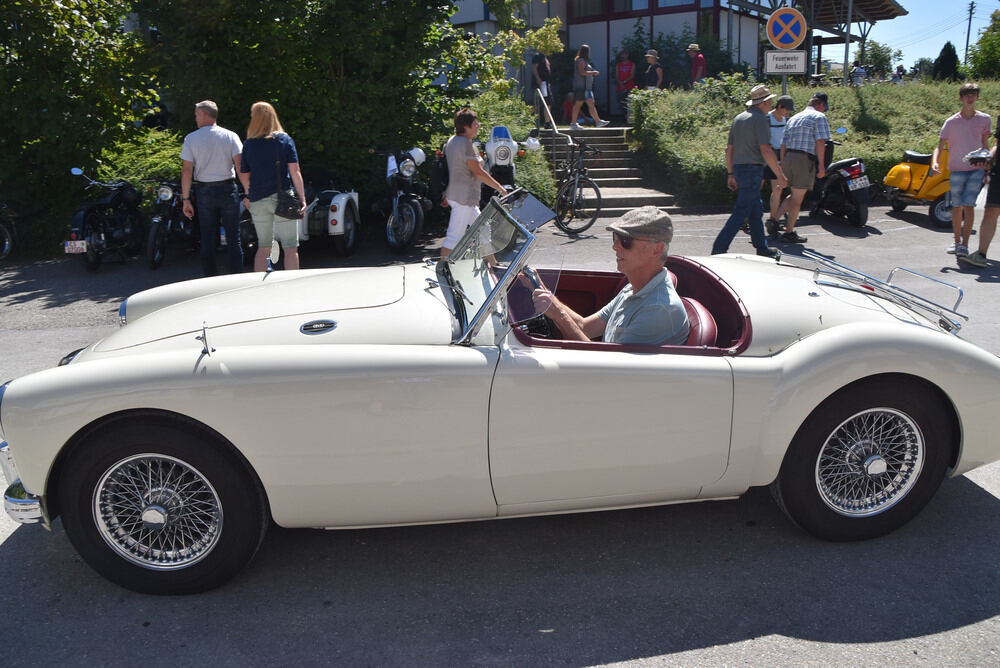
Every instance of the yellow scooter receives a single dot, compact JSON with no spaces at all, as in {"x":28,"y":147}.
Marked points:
{"x":911,"y":182}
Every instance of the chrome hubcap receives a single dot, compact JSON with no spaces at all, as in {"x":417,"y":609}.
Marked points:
{"x":870,"y":462}
{"x":157,"y":512}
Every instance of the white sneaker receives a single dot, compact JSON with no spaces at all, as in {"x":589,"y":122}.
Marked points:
{"x":601,"y":124}
{"x":575,"y":126}
{"x":953,"y":248}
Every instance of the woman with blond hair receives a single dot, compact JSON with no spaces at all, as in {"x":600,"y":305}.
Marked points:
{"x":270,"y":162}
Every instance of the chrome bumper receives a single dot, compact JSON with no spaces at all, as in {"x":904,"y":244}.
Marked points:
{"x":20,"y":505}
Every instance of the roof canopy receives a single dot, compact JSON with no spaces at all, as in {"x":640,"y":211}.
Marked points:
{"x":831,"y":16}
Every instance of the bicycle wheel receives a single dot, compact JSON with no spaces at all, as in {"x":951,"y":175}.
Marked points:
{"x":577,"y":207}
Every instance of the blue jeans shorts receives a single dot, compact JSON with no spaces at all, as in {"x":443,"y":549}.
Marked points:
{"x":965,"y":187}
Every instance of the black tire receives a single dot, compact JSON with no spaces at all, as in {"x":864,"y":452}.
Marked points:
{"x":135,"y":232}
{"x":897,"y":204}
{"x":346,"y":242}
{"x":866,"y":460}
{"x":191,"y":530}
{"x":89,"y":230}
{"x":940,"y":211}
{"x":248,"y":238}
{"x":156,"y":244}
{"x":400,"y":234}
{"x":6,"y":242}
{"x":859,"y":217}
{"x":577,"y":208}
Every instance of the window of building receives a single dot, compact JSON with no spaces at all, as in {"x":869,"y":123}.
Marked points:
{"x":630,"y":5}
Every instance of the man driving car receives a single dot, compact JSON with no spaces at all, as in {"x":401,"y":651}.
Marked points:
{"x":648,"y":309}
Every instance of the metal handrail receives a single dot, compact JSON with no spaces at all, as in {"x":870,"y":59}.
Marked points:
{"x":539,"y":100}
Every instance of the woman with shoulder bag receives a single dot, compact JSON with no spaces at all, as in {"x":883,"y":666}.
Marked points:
{"x":269,"y":163}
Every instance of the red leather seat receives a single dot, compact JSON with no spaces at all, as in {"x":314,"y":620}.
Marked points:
{"x":703,"y":328}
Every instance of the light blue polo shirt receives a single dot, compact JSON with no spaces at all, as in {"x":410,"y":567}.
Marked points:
{"x":655,"y":315}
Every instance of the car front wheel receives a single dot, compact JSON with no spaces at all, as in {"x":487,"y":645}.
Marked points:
{"x":866,"y":460}
{"x":161,"y":507}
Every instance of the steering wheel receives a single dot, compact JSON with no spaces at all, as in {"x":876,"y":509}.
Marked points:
{"x":539,"y":325}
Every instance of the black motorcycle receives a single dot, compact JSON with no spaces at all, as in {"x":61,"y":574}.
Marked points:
{"x":168,"y":223}
{"x":112,"y":224}
{"x":845,"y":190}
{"x":8,"y":232}
{"x":407,"y":198}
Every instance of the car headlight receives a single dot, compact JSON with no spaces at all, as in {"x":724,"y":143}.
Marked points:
{"x":164,"y":193}
{"x":503,"y":153}
{"x":408,"y":168}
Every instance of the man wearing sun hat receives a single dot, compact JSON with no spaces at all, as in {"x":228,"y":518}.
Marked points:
{"x":747,"y":151}
{"x":699,"y":68}
{"x":647,"y":310}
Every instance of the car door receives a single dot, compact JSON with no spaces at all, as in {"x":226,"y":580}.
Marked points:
{"x":599,"y":427}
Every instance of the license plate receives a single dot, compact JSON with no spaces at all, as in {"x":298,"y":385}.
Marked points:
{"x":75,"y":246}
{"x":858,"y":184}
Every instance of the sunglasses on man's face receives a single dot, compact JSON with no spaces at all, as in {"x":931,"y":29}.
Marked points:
{"x":626,"y":242}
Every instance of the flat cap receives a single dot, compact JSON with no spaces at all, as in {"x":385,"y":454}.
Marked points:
{"x":646,"y":222}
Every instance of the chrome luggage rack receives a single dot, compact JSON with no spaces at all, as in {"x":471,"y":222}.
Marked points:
{"x":865,"y":284}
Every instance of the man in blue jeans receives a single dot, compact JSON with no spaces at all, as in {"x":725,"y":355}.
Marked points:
{"x":210,"y":159}
{"x":747,"y":151}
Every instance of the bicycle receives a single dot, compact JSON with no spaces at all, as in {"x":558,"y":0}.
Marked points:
{"x":578,"y":200}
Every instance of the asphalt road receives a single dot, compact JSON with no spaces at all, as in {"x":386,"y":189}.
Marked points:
{"x":710,"y":584}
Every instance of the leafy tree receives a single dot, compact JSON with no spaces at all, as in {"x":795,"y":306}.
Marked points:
{"x":344,"y":76}
{"x":879,"y":57}
{"x":984,"y":57}
{"x":946,"y":64}
{"x":72,"y":83}
{"x":924,"y":67}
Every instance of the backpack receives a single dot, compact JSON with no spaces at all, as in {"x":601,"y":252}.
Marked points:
{"x":439,"y":175}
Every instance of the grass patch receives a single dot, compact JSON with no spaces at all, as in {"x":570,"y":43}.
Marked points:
{"x":685,"y":132}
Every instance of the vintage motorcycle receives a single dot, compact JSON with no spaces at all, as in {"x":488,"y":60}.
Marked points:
{"x":7,"y":232}
{"x":498,"y":154}
{"x":113,"y":223}
{"x":169,"y":222}
{"x":912,"y":182}
{"x":844,"y":191}
{"x":407,"y":199}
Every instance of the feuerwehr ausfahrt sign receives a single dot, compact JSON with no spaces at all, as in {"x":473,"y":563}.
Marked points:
{"x":786,"y":28}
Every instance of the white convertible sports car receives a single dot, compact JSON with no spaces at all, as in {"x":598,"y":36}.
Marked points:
{"x":433,"y":392}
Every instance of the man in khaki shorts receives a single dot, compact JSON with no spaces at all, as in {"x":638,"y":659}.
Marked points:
{"x":803,"y":149}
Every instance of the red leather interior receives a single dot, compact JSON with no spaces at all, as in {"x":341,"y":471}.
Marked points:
{"x":703,"y":329}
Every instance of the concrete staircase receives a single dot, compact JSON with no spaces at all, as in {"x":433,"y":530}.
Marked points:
{"x":615,"y":170}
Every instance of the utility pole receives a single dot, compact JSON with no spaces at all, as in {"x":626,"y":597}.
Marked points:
{"x":972,"y":8}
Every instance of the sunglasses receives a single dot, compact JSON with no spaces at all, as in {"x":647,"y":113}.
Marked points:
{"x":626,"y":242}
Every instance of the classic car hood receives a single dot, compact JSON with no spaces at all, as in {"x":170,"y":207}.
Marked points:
{"x":786,"y":305}
{"x":274,"y":312}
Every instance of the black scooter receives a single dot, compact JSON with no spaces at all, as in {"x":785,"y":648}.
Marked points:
{"x":845,"y":190}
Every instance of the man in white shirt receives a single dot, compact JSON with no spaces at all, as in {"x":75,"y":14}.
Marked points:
{"x":211,"y":157}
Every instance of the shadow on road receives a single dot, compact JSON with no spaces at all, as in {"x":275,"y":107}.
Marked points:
{"x":575,"y":589}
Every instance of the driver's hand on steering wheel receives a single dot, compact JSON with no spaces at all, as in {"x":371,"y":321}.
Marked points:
{"x":542,"y":299}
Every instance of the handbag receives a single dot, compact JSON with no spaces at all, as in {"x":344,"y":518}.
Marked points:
{"x":288,"y":205}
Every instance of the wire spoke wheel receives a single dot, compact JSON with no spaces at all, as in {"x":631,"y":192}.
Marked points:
{"x":157,"y":512}
{"x":870,"y":462}
{"x":578,"y":203}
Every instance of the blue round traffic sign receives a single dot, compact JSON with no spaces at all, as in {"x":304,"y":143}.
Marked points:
{"x":786,"y":28}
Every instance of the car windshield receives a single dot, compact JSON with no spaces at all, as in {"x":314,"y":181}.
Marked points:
{"x":489,"y":256}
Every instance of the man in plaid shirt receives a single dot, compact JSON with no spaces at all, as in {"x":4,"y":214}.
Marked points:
{"x":803,"y":152}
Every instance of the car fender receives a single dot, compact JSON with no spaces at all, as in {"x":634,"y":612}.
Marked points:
{"x":335,"y":222}
{"x":774,"y":395}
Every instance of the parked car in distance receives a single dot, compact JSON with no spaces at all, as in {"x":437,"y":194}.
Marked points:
{"x":434,"y":392}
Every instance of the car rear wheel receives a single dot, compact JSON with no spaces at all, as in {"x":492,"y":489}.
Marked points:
{"x":161,"y":507}
{"x":866,"y":460}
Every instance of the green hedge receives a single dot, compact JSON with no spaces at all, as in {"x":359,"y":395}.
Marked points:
{"x":685,"y":132}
